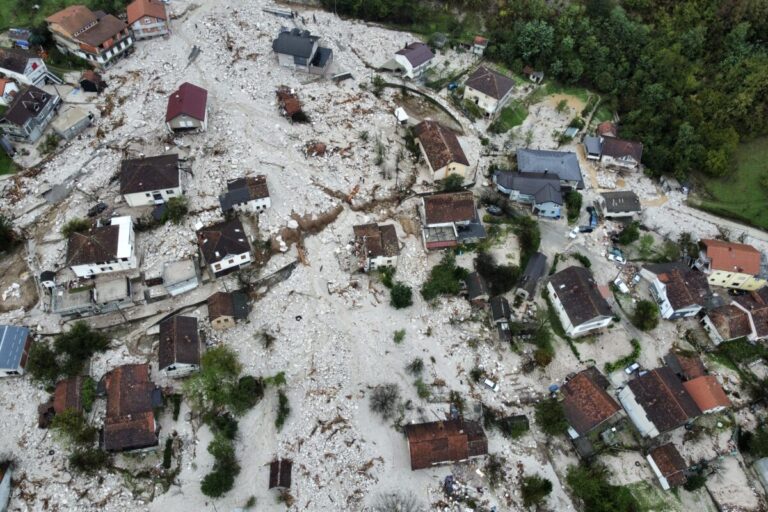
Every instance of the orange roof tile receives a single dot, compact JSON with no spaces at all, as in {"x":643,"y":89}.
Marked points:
{"x":707,"y":393}
{"x":732,"y":257}
{"x":140,"y":8}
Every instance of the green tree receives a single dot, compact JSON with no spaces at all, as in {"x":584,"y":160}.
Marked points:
{"x":175,"y":209}
{"x":42,"y":364}
{"x":500,"y":278}
{"x":88,"y":460}
{"x":9,"y":238}
{"x":535,"y":490}
{"x":590,"y":484}
{"x":214,"y":385}
{"x":646,"y":246}
{"x":550,"y":417}
{"x":401,"y":295}
{"x":77,"y":345}
{"x":75,"y":226}
{"x":283,"y":409}
{"x":630,"y":233}
{"x":444,"y":278}
{"x":72,"y":426}
{"x":452,"y":183}
{"x":646,"y":315}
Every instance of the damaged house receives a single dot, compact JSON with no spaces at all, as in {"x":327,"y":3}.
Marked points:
{"x":376,"y":246}
{"x":179,"y":352}
{"x":289,"y":105}
{"x":25,"y":67}
{"x":731,"y":265}
{"x":441,"y":150}
{"x":29,"y":114}
{"x":248,"y":194}
{"x":578,"y":302}
{"x":728,"y":322}
{"x":150,"y":181}
{"x":477,"y":290}
{"x":586,"y":404}
{"x":131,"y":397}
{"x":618,"y":204}
{"x":668,"y":466}
{"x":534,"y":271}
{"x":679,"y":290}
{"x":187,"y":109}
{"x":224,"y":247}
{"x":441,"y":442}
{"x":103,"y":249}
{"x":298,"y":49}
{"x":226,"y":308}
{"x":450,"y":219}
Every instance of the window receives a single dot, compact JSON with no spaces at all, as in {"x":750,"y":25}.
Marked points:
{"x":147,"y":194}
{"x":169,"y":192}
{"x":217,"y":266}
{"x":231,"y":260}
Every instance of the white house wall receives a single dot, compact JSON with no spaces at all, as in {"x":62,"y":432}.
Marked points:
{"x":637,"y":414}
{"x":148,"y":198}
{"x":231,"y":261}
{"x":180,"y":370}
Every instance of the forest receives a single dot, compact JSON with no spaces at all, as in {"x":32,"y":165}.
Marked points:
{"x":688,"y":79}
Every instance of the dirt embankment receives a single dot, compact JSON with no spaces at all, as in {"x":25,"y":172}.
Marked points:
{"x":17,"y":284}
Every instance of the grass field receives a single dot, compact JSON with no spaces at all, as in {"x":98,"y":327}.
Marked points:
{"x":741,"y":196}
{"x":6,"y":164}
{"x":556,"y":88}
{"x":510,"y":116}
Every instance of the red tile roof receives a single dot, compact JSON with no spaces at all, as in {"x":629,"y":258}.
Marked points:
{"x":449,"y":207}
{"x":670,"y":463}
{"x":707,"y":393}
{"x":140,"y":8}
{"x":73,"y":18}
{"x":732,"y":257}
{"x":440,"y":144}
{"x":67,"y":395}
{"x":587,"y":405}
{"x":190,"y":100}
{"x":444,"y":441}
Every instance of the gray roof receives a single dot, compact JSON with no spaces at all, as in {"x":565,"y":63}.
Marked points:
{"x":500,"y":308}
{"x":12,"y":341}
{"x":476,"y":287}
{"x":563,"y":163}
{"x":298,"y":43}
{"x":622,"y":201}
{"x":417,"y":53}
{"x":544,"y":187}
{"x":534,"y":271}
{"x":578,"y":293}
{"x":593,"y":145}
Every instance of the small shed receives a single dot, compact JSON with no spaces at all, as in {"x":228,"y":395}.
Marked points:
{"x":401,"y":115}
{"x":280,"y":473}
{"x":69,"y":123}
{"x":48,"y":279}
{"x":91,"y":81}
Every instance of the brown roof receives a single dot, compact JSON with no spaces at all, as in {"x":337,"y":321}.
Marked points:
{"x":707,"y":393}
{"x":607,"y":128}
{"x":179,"y":341}
{"x":444,"y":441}
{"x":490,"y":83}
{"x":67,"y":395}
{"x":578,"y":293}
{"x":73,"y":18}
{"x":372,"y":240}
{"x":618,"y":148}
{"x":189,"y":100}
{"x":687,"y":367}
{"x":147,"y":174}
{"x":223,"y":239}
{"x":449,"y":207}
{"x":440,"y":144}
{"x":757,"y":304}
{"x":587,"y":405}
{"x":481,"y":41}
{"x":670,"y":463}
{"x":685,"y":286}
{"x":15,"y":59}
{"x":130,"y":421}
{"x":97,"y":245}
{"x":234,"y":304}
{"x":289,"y":101}
{"x":107,"y":28}
{"x":730,"y":321}
{"x":26,"y":105}
{"x":140,"y":8}
{"x":664,"y":399}
{"x":732,"y":257}
{"x":280,"y":473}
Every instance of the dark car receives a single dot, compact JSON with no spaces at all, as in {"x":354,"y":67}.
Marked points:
{"x":586,"y":229}
{"x":97,"y":209}
{"x":494,"y":210}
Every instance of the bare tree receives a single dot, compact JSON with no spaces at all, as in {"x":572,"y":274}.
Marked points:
{"x":385,"y":400}
{"x":397,"y":502}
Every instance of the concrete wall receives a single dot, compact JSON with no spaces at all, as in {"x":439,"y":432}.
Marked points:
{"x":148,"y":199}
{"x":185,"y":122}
{"x":735,"y":280}
{"x":239,"y":260}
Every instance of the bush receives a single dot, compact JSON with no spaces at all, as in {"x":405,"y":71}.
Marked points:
{"x":225,"y":423}
{"x":626,"y":360}
{"x":550,"y":417}
{"x":246,"y":394}
{"x":535,"y":490}
{"x":42,"y":364}
{"x":573,"y":201}
{"x":218,"y":482}
{"x":400,"y":296}
{"x":494,"y":470}
{"x":452,"y":183}
{"x":585,"y":261}
{"x":175,"y":209}
{"x":529,"y":236}
{"x":88,"y":460}
{"x":444,"y":279}
{"x":646,"y":246}
{"x":88,"y":393}
{"x":695,"y":482}
{"x":415,"y":367}
{"x":590,"y":484}
{"x":646,"y":315}
{"x":386,"y":274}
{"x":75,"y":226}
{"x":283,"y":409}
{"x":500,"y":278}
{"x":9,"y":238}
{"x":422,"y":389}
{"x":168,"y":453}
{"x":72,"y":426}
{"x":399,"y":336}
{"x":50,"y":144}
{"x":630,"y":233}
{"x":385,"y":400}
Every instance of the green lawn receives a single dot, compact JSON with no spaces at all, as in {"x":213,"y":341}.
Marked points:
{"x":740,"y":196}
{"x":6,"y":164}
{"x":557,"y":88}
{"x":603,"y":114}
{"x":510,"y":116}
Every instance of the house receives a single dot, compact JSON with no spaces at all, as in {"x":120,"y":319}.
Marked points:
{"x":756,"y":304}
{"x":668,"y":466}
{"x":731,"y":265}
{"x":99,"y":38}
{"x":20,"y":37}
{"x":298,"y":49}
{"x":289,"y":105}
{"x":187,"y":109}
{"x":226,"y":308}
{"x":91,"y":81}
{"x":280,"y":474}
{"x":479,"y":45}
{"x":578,"y":302}
{"x":150,"y":181}
{"x":656,"y":402}
{"x":71,"y":122}
{"x":68,"y":395}
{"x":499,"y":310}
{"x":180,"y":276}
{"x":440,"y":442}
{"x":412,"y":61}
{"x":607,"y":129}
{"x":130,"y":420}
{"x":25,"y":67}
{"x":106,"y":294}
{"x":477,"y":291}
{"x":441,"y":150}
{"x":103,"y":249}
{"x":534,"y":270}
{"x":708,"y":394}
{"x":488,"y":89}
{"x":179,"y":352}
{"x":376,"y":246}
{"x":450,"y":219}
{"x":224,"y":247}
{"x":564,"y":164}
{"x":541,"y":190}
{"x":616,"y":152}
{"x":8,"y":90}
{"x":248,"y":194}
{"x":728,"y":322}
{"x":685,"y":366}
{"x":29,"y":114}
{"x":592,"y":147}
{"x":679,"y":291}
{"x":534,"y":76}
{"x":15,"y":343}
{"x":618,"y":204}
{"x":147,"y":18}
{"x":586,"y":403}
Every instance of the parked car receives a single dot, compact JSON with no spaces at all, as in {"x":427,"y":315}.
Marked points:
{"x":494,"y":210}
{"x":97,"y":209}
{"x":493,"y":386}
{"x":632,"y":368}
{"x":586,"y":229}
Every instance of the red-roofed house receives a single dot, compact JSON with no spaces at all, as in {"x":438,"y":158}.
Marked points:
{"x":441,"y":149}
{"x":586,"y":404}
{"x":187,"y":109}
{"x":147,"y":18}
{"x":730,"y":265}
{"x":479,"y":45}
{"x":707,"y":393}
{"x":668,"y":466}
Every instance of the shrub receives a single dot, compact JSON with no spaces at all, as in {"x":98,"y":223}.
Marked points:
{"x":695,"y":482}
{"x":550,"y":417}
{"x":167,"y":453}
{"x":444,"y":278}
{"x":535,"y":490}
{"x":283,"y":409}
{"x":573,"y":201}
{"x":399,"y":336}
{"x":630,"y":233}
{"x":175,"y":209}
{"x":378,"y":85}
{"x":646,"y":246}
{"x":225,"y":423}
{"x":452,"y":183}
{"x":176,"y":401}
{"x":562,"y":106}
{"x":385,"y":400}
{"x":415,"y":367}
{"x":626,"y":360}
{"x":75,"y":226}
{"x":590,"y":484}
{"x":88,"y":393}
{"x":646,"y":315}
{"x":494,"y":471}
{"x":276,"y":380}
{"x":476,"y":374}
{"x":72,"y":426}
{"x":386,"y":274}
{"x":218,"y":482}
{"x":401,"y":295}
{"x":42,"y":364}
{"x":88,"y":460}
{"x":500,"y":278}
{"x":77,"y":346}
{"x":246,"y":394}
{"x":422,"y":389}
{"x":49,"y":145}
{"x":8,"y":235}
{"x":585,"y":261}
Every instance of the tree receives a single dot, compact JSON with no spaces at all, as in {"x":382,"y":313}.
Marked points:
{"x":175,"y":209}
{"x":9,"y":238}
{"x":646,"y":246}
{"x":75,"y":226}
{"x":535,"y":490}
{"x":444,"y":278}
{"x":401,"y":295}
{"x":452,"y":183}
{"x":218,"y":482}
{"x":214,"y":385}
{"x":385,"y":400}
{"x":42,"y":364}
{"x":88,"y":460}
{"x":573,"y":201}
{"x":550,"y":417}
{"x":283,"y":409}
{"x":646,"y":315}
{"x":72,"y":426}
{"x":687,"y":245}
{"x":590,"y":484}
{"x":77,"y":345}
{"x":246,"y":394}
{"x":694,"y":482}
{"x":500,"y":278}
{"x":629,"y":234}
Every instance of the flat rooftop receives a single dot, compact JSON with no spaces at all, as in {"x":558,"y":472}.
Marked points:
{"x":110,"y":290}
